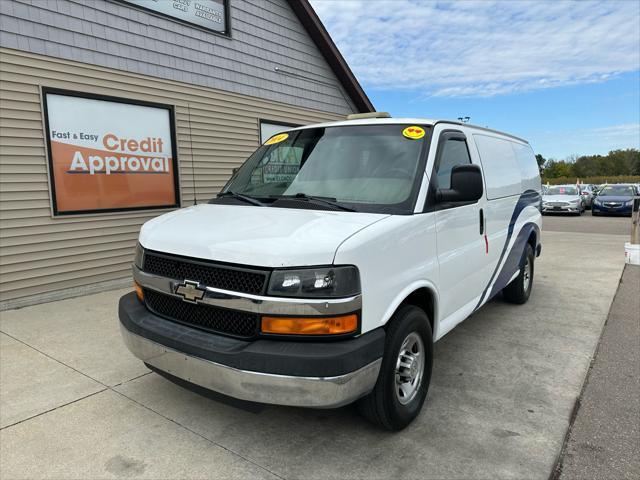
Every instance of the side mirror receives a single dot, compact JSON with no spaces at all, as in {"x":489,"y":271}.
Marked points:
{"x":466,"y":185}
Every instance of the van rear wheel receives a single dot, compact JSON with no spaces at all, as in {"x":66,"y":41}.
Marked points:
{"x":519,"y":290}
{"x":405,"y":372}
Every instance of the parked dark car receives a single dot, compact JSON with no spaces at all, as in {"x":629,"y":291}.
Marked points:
{"x":614,"y":200}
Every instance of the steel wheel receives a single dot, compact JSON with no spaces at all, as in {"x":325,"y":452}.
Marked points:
{"x":402,"y":384}
{"x":527,"y":274}
{"x":409,"y":368}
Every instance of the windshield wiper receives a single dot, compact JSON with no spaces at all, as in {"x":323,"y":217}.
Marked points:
{"x":325,"y":200}
{"x":246,"y":198}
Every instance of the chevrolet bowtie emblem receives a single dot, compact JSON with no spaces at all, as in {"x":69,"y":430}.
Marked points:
{"x":190,"y":291}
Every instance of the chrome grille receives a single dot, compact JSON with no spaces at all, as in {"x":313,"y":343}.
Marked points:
{"x":209,"y":274}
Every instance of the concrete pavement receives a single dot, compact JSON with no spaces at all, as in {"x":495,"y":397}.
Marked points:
{"x":587,"y":224}
{"x":604,"y":439}
{"x":75,"y":404}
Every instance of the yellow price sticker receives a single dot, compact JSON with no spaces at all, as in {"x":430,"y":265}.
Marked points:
{"x":413,"y":132}
{"x":281,"y":137}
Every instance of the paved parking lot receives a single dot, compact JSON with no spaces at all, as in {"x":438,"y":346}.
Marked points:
{"x":75,"y":404}
{"x":587,"y":224}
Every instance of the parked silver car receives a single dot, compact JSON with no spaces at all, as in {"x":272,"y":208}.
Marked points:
{"x":563,"y":199}
{"x":587,"y":195}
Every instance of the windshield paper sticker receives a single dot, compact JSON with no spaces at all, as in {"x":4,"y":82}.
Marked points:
{"x":281,"y":137}
{"x":413,"y":132}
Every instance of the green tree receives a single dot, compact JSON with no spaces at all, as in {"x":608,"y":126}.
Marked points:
{"x":635,"y":166}
{"x":586,"y":166}
{"x":622,"y":161}
{"x":558,"y":168}
{"x":615,"y":163}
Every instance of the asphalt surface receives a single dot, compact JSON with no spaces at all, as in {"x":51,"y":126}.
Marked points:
{"x":604,"y":439}
{"x":74,"y":403}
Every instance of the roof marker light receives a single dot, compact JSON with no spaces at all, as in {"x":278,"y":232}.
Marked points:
{"x":360,"y":116}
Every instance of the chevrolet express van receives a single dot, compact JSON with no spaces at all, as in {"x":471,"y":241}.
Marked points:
{"x":333,"y":259}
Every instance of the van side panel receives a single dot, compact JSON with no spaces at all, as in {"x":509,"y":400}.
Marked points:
{"x":528,"y":166}
{"x":525,"y":219}
{"x":510,"y":219}
{"x":502,"y":173}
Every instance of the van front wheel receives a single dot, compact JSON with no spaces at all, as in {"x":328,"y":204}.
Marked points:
{"x":405,"y":372}
{"x":519,"y":290}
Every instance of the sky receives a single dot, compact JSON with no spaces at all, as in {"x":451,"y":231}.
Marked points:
{"x":564,"y":75}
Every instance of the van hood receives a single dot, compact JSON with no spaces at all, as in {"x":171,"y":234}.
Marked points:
{"x":255,"y":236}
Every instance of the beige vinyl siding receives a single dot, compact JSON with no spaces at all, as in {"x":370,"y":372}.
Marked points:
{"x":215,"y":132}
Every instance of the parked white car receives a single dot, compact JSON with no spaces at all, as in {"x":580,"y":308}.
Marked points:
{"x":563,"y":199}
{"x":333,"y":259}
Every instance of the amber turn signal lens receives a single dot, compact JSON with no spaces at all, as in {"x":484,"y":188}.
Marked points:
{"x":139,"y":292}
{"x":310,"y":325}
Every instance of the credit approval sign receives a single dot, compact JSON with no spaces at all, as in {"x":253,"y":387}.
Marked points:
{"x":108,"y":154}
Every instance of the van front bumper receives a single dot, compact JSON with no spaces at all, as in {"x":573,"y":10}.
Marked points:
{"x":303,"y":374}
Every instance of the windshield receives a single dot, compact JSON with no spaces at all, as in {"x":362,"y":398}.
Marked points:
{"x":562,"y":190}
{"x":617,"y":190}
{"x":369,"y":168}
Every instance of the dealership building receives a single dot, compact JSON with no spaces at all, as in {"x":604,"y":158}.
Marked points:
{"x":113,"y":112}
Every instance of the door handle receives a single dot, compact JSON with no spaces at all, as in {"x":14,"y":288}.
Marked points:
{"x":481,"y":222}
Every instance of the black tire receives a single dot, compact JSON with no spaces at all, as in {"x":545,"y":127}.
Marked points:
{"x":519,"y":290}
{"x":382,"y":406}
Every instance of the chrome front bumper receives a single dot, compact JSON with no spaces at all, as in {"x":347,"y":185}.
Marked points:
{"x":314,"y":392}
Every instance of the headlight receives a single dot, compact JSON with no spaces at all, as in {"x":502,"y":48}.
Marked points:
{"x":138,"y":259}
{"x":321,"y":282}
{"x":629,"y":203}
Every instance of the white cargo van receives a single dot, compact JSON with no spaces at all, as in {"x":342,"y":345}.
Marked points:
{"x":333,"y":259}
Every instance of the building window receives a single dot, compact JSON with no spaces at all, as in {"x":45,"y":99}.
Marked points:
{"x":210,"y":14}
{"x":268,"y":129}
{"x":109,"y":154}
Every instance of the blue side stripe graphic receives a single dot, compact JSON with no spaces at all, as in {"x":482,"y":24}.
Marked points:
{"x":528,"y":198}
